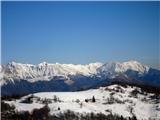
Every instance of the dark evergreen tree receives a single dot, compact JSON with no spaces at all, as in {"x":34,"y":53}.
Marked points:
{"x":93,"y":99}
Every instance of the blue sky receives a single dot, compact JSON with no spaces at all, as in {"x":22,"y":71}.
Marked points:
{"x":80,"y":32}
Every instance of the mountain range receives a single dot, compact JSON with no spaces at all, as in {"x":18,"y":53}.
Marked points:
{"x":18,"y":78}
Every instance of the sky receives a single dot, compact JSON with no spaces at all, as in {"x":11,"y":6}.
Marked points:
{"x":80,"y":32}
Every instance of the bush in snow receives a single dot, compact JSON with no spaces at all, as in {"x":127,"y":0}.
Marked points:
{"x":55,"y":98}
{"x":28,"y":99}
{"x":81,"y":104}
{"x":112,"y":100}
{"x":46,"y":101}
{"x":41,"y":114}
{"x":110,"y":111}
{"x":130,"y":108}
{"x":134,"y":93}
{"x":112,"y":93}
{"x":127,"y":100}
{"x":77,"y":101}
{"x":6,"y":107}
{"x":156,"y":98}
{"x":86,"y":100}
{"x":118,"y":89}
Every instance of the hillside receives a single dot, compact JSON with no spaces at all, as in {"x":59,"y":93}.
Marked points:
{"x":122,"y":100}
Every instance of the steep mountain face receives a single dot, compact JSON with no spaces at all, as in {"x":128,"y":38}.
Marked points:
{"x":27,"y":78}
{"x":46,"y":71}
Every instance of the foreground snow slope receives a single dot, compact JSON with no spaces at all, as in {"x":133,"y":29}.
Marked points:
{"x":126,"y":101}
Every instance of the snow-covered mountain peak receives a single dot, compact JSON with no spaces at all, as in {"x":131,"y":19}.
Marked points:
{"x":111,"y":69}
{"x":43,"y":63}
{"x":16,"y":64}
{"x":136,"y":66}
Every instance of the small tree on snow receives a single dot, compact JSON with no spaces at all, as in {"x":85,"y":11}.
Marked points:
{"x":55,"y":98}
{"x":93,"y":99}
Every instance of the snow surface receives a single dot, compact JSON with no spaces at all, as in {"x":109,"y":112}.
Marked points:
{"x":75,"y":101}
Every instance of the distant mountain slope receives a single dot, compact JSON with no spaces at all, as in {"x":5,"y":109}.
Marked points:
{"x":27,"y":78}
{"x":113,"y":68}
